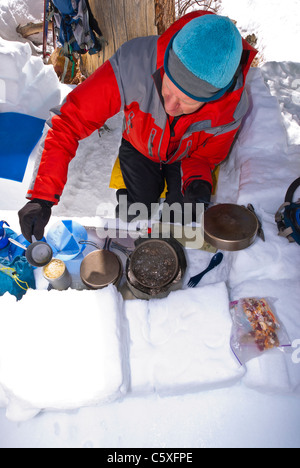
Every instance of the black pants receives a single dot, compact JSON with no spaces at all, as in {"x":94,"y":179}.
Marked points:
{"x":145,"y":179}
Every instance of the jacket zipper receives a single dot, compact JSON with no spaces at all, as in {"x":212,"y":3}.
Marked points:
{"x":129,"y":121}
{"x":150,"y":141}
{"x":188,"y":147}
{"x":160,"y":143}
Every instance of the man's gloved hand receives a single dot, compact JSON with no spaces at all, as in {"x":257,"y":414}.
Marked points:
{"x":33,"y":218}
{"x":198,"y":191}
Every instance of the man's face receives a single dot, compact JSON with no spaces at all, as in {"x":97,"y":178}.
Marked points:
{"x":175,"y":101}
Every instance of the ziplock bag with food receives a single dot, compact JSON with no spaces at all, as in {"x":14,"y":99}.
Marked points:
{"x":256,"y":328}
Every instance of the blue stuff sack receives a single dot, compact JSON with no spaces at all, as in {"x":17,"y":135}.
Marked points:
{"x":16,"y":277}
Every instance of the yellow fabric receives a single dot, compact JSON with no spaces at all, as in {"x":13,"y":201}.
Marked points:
{"x":215,"y":177}
{"x":117,"y":181}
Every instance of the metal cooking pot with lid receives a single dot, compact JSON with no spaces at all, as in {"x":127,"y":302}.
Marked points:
{"x":154,"y":263}
{"x":230,"y":227}
{"x":100,"y":267}
{"x":155,"y":267}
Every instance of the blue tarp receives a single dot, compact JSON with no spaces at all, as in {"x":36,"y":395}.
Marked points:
{"x":19,"y":133}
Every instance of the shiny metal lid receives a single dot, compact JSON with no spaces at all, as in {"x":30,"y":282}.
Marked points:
{"x":230,"y":227}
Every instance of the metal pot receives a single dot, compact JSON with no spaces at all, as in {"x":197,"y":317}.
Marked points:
{"x":100,"y":267}
{"x":154,"y":263}
{"x":155,"y":267}
{"x":230,"y":227}
{"x":38,"y":254}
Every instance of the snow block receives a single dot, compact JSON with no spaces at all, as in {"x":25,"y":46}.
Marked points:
{"x":13,"y":56}
{"x":23,"y":81}
{"x":61,"y":351}
{"x":181,"y":344}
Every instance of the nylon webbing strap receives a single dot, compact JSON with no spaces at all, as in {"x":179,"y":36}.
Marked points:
{"x":287,"y":215}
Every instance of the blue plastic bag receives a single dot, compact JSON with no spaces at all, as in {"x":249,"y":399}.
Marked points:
{"x":16,"y":277}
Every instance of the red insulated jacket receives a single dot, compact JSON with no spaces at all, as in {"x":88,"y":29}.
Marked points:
{"x":131,"y":81}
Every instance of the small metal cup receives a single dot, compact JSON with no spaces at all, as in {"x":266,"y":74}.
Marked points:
{"x":38,"y":253}
{"x":57,"y":274}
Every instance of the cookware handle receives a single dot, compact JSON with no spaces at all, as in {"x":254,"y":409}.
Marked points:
{"x":121,"y":248}
{"x":105,"y":246}
{"x":90,"y":243}
{"x":108,"y":243}
{"x":18,"y":244}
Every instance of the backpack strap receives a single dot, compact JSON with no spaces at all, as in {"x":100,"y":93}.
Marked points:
{"x":291,"y":190}
{"x":282,"y":229}
{"x":287,"y":216}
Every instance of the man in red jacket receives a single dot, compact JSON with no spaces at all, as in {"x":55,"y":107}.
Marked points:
{"x":183,"y":99}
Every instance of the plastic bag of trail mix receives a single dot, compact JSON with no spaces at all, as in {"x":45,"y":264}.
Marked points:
{"x":256,"y":329}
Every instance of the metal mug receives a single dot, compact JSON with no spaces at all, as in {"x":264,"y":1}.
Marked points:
{"x":38,"y":253}
{"x":57,"y":274}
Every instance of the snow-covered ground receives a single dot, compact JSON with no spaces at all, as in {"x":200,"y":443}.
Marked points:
{"x":161,"y":374}
{"x":277,"y":27}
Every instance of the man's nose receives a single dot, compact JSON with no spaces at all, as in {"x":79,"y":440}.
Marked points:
{"x":172,"y":102}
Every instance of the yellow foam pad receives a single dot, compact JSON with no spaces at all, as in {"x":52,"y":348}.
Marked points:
{"x":117,"y":181}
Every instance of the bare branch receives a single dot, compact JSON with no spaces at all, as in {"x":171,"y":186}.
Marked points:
{"x":182,"y":6}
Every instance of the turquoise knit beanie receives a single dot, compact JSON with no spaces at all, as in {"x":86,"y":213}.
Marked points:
{"x":203,"y":57}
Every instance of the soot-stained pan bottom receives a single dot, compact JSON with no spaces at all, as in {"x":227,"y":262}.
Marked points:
{"x":100,"y":268}
{"x":154,"y":263}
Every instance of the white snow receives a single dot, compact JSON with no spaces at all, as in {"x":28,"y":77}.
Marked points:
{"x":45,"y":360}
{"x":145,"y":352}
{"x":25,"y":79}
{"x":276,"y":26}
{"x":180,"y":344}
{"x":21,"y":12}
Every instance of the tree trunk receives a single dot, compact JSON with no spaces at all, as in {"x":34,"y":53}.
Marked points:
{"x":164,"y":14}
{"x":122,"y":20}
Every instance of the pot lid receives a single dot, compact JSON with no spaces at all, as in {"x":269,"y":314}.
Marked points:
{"x":100,"y":268}
{"x":230,"y":227}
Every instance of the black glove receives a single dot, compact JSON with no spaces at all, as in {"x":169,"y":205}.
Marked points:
{"x":198,"y":191}
{"x":33,"y":218}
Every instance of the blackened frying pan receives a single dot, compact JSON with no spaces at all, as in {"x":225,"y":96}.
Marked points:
{"x":154,"y":263}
